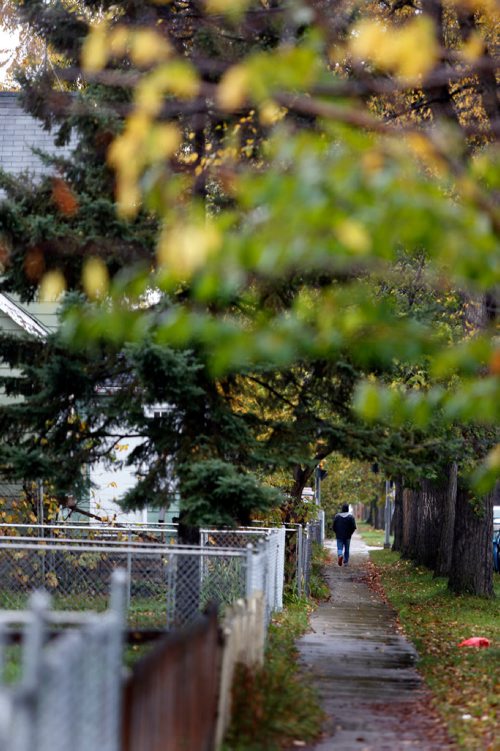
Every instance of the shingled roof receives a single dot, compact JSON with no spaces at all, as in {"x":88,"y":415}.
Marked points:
{"x":19,"y":133}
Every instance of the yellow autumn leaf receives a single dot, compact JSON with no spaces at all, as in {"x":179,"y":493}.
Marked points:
{"x":410,"y":51}
{"x":118,"y":40}
{"x":128,"y":197}
{"x":270,"y":113}
{"x":138,"y":125}
{"x":473,"y":48}
{"x":165,"y":139}
{"x":148,"y":47}
{"x":52,"y":286}
{"x":123,"y":155}
{"x":354,"y":236}
{"x":95,"y":49}
{"x":368,"y":37}
{"x":228,"y":7}
{"x":425,"y":150}
{"x":95,"y":278}
{"x":233,"y":88}
{"x":125,"y":150}
{"x":176,"y":78}
{"x":417,"y":51}
{"x":183,"y":249}
{"x":493,"y":458}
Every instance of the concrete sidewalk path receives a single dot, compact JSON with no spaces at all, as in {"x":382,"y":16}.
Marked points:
{"x":364,"y":669}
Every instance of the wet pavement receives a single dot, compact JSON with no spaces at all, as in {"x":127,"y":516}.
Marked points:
{"x":364,"y":669}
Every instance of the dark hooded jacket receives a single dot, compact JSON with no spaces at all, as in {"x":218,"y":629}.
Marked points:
{"x":344,"y":525}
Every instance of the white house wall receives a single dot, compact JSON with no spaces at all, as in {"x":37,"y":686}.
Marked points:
{"x":19,"y":133}
{"x":111,"y":485}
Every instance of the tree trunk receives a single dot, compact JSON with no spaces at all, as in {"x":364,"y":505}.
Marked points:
{"x":445,"y":548}
{"x":397,"y":519}
{"x":472,"y":560}
{"x":301,"y":475}
{"x":410,"y":508}
{"x":379,"y":513}
{"x":187,"y":589}
{"x":431,"y":501}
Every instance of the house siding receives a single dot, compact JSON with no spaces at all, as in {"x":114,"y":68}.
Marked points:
{"x":19,"y":134}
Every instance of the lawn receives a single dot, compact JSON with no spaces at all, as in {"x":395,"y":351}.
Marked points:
{"x":465,"y":681}
{"x":372,"y":537}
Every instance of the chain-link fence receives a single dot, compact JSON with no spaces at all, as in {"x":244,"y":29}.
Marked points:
{"x":168,"y":584}
{"x":311,"y":534}
{"x":272,"y":541}
{"x":152,"y":533}
{"x":69,"y":691}
{"x":163,"y":585}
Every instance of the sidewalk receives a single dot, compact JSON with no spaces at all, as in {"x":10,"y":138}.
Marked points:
{"x":364,"y":670}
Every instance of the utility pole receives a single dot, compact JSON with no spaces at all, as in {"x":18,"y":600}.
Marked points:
{"x":387,"y":515}
{"x":319,"y":474}
{"x":317,"y":487}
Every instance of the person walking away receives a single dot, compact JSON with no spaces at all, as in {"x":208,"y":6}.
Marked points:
{"x":344,"y":525}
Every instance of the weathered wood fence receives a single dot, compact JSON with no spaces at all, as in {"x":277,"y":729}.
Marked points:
{"x":178,"y":697}
{"x":170,"y":698}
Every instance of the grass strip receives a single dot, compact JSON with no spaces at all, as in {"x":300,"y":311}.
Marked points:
{"x":465,"y":681}
{"x":371,"y":536}
{"x":276,"y":706}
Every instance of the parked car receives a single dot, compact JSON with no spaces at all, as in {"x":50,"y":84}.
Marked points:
{"x":496,"y":538}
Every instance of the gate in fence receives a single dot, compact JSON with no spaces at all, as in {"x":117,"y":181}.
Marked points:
{"x":69,"y":692}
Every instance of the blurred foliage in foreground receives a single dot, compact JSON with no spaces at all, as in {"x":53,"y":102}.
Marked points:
{"x":257,"y":184}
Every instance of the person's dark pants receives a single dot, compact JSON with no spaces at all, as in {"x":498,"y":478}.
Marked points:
{"x":343,"y":546}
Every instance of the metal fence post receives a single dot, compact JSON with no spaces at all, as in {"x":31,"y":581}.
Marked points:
{"x":119,"y":586}
{"x":2,"y":654}
{"x":41,"y":528}
{"x":249,"y":570}
{"x":307,"y":558}
{"x":35,"y":634}
{"x":129,"y":572}
{"x":39,"y":604}
{"x":117,"y":600}
{"x":299,"y":560}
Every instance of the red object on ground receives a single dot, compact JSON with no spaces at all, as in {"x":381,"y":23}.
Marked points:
{"x":475,"y":641}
